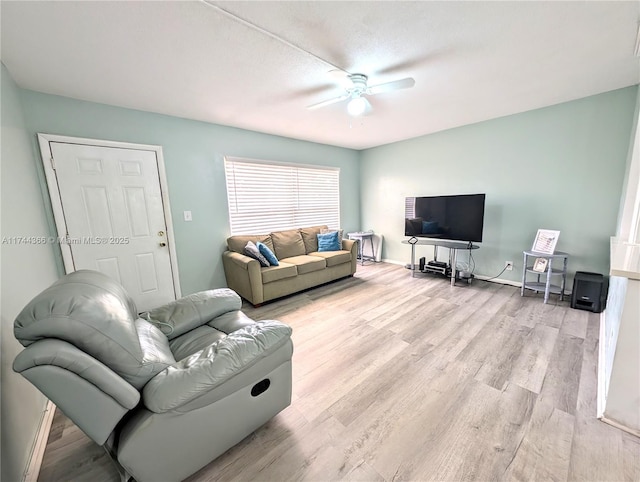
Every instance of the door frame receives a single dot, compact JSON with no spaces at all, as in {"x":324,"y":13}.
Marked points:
{"x":56,"y":201}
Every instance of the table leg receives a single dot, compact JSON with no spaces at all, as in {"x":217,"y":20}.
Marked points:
{"x":548,"y":283}
{"x":564,"y":278}
{"x":413,"y":260}
{"x":453,"y":266}
{"x":524,"y":275}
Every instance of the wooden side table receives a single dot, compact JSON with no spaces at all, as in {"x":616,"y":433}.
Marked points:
{"x":545,"y":285}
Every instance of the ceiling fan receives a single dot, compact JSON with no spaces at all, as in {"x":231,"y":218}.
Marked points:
{"x":359,"y":104}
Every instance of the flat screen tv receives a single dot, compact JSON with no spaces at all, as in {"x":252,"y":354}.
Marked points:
{"x":455,"y":218}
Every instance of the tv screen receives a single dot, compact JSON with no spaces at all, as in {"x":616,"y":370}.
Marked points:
{"x":456,"y":218}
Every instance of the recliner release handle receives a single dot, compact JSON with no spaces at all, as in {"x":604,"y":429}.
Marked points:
{"x":260,"y":387}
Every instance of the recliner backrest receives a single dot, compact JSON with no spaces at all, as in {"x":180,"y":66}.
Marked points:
{"x":94,"y":312}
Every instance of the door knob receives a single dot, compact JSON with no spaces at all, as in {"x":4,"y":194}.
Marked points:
{"x":160,"y":233}
{"x":162,"y":245}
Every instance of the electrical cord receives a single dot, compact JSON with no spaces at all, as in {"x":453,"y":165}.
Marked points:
{"x":469,"y":266}
{"x":503,"y":270}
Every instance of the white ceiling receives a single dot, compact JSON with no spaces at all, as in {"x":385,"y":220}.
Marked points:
{"x":471,"y":61}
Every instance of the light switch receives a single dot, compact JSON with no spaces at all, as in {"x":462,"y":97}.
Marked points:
{"x":187,"y":216}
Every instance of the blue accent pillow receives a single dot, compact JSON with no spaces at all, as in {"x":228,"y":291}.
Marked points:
{"x":430,"y":227}
{"x":252,"y":251}
{"x":329,"y":241}
{"x":267,"y":253}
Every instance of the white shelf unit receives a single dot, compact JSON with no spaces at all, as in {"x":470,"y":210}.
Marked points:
{"x":543,"y":282}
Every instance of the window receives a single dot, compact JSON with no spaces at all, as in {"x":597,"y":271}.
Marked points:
{"x":409,"y":207}
{"x":267,"y":196}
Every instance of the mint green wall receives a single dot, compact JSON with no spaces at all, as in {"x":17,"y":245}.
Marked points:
{"x":193,"y":154}
{"x":559,"y":167}
{"x":26,"y":270}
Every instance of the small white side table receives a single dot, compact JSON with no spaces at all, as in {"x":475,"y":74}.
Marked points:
{"x":545,"y":285}
{"x":361,"y":237}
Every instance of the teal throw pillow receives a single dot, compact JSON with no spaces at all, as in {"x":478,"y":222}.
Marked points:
{"x":252,"y":251}
{"x":267,"y":253}
{"x":329,"y":242}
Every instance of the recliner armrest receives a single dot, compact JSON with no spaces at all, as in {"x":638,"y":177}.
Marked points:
{"x":66,"y":356}
{"x":86,"y":390}
{"x":183,"y":315}
{"x":200,"y":373}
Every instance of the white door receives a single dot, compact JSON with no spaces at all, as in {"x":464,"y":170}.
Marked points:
{"x":114,"y":215}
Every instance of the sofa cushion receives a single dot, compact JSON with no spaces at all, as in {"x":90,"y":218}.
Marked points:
{"x":334,"y":258}
{"x":306,"y":263}
{"x":237,"y":243}
{"x":310,"y":237}
{"x":287,"y":243}
{"x":275,"y":273}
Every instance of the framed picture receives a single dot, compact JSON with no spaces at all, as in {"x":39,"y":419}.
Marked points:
{"x":540,"y":265}
{"x":546,"y":241}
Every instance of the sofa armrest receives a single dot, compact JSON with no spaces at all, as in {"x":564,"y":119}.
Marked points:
{"x":183,"y":315}
{"x":348,"y":244}
{"x":352,"y":246}
{"x":243,"y":261}
{"x":205,"y":370}
{"x":244,"y":276}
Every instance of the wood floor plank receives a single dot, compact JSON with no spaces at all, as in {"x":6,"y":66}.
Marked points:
{"x":545,"y":450}
{"x":586,"y":402}
{"x":497,"y":367}
{"x":602,"y":460}
{"x":531,"y":365}
{"x":631,"y":453}
{"x":401,"y":378}
{"x":562,"y":381}
{"x":574,"y":323}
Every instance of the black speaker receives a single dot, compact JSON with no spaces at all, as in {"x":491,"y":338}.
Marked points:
{"x":422,"y":263}
{"x":589,"y":291}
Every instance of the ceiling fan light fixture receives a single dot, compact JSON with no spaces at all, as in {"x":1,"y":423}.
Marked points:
{"x":356,"y":106}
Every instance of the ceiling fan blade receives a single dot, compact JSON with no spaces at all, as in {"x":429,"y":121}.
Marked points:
{"x":368,"y":107}
{"x":389,"y":86}
{"x":328,"y":102}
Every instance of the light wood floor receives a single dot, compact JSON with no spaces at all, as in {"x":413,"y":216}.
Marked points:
{"x":397,"y":378}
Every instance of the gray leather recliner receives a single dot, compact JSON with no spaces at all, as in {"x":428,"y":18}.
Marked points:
{"x":166,"y":391}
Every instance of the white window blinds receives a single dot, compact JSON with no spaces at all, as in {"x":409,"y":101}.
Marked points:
{"x":409,"y":207}
{"x":265,"y":196}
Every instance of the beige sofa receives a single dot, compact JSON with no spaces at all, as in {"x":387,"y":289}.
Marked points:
{"x":301,"y":265}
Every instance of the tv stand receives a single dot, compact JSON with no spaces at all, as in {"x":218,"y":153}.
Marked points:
{"x":438,"y":267}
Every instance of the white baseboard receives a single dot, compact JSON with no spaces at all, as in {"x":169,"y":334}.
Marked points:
{"x":480,"y":277}
{"x":501,"y":281}
{"x":601,"y":397}
{"x":517,"y":284}
{"x":40,"y":443}
{"x":621,"y":426}
{"x":393,"y":261}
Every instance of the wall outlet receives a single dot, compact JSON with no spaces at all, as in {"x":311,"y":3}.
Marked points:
{"x":187,"y":216}
{"x":508,"y":265}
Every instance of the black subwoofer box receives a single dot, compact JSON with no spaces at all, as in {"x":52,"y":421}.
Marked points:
{"x":589,"y":291}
